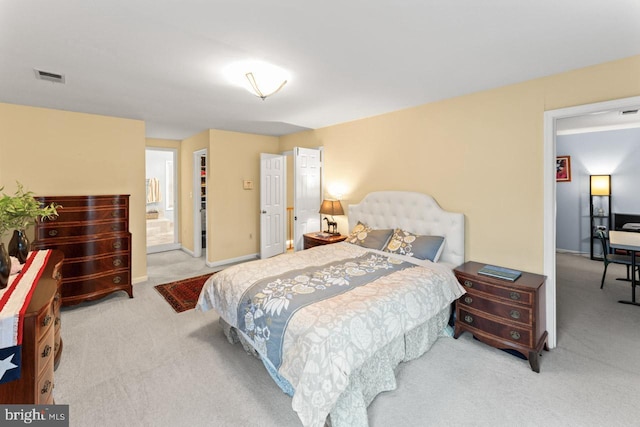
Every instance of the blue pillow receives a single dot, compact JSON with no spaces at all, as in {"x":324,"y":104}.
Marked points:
{"x":404,"y":242}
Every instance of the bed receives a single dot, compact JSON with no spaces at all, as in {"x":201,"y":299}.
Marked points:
{"x":331,"y":323}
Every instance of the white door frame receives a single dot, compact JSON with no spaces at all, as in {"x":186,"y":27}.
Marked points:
{"x":195,"y":195}
{"x":549,"y":229}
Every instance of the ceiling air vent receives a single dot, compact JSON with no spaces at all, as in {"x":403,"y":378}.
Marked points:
{"x":625,"y":112}
{"x":49,"y":76}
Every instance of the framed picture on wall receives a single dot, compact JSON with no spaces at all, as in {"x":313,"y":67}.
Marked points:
{"x":563,"y":168}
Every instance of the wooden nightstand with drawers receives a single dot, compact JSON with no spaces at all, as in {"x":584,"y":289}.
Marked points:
{"x":506,"y":315}
{"x":317,"y":239}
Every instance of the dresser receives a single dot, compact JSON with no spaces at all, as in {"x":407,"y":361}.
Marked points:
{"x":506,"y":315}
{"x":41,"y":342}
{"x":93,"y":233}
{"x":314,"y":239}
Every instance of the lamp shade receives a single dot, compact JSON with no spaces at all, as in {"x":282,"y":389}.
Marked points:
{"x":331,"y":207}
{"x":600,"y":185}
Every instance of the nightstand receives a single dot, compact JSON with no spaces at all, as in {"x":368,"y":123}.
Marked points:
{"x":503,"y":314}
{"x":316,"y":239}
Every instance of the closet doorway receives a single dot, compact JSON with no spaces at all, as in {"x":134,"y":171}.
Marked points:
{"x":161,"y":199}
{"x":200,"y":203}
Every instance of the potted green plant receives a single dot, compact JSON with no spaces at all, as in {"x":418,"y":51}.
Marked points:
{"x":18,"y":212}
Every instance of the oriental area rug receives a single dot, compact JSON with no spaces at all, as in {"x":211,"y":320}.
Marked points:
{"x":183,"y":294}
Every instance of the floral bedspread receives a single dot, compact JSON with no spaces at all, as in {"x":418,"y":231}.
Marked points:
{"x":326,"y":341}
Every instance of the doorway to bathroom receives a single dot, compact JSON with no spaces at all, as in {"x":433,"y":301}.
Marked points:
{"x":161,"y":199}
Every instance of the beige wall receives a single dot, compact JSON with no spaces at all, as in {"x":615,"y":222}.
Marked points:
{"x":234,"y":213}
{"x":56,"y":152}
{"x":479,"y":154}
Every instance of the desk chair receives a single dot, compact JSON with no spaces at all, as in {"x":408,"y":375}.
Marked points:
{"x":611,"y":258}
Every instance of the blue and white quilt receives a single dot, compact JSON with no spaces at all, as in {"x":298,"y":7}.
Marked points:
{"x":318,"y":315}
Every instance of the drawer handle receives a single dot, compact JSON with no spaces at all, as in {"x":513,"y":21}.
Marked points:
{"x":514,"y":295}
{"x":58,"y":276}
{"x":53,"y":233}
{"x":515,"y":335}
{"x":115,"y":201}
{"x":56,"y":347}
{"x":47,"y":351}
{"x":117,"y":279}
{"x":46,"y":320}
{"x":56,"y":298}
{"x":117,"y":262}
{"x":468,"y":283}
{"x":115,"y":227}
{"x":468,"y":300}
{"x":117,"y":245}
{"x":114,"y":214}
{"x":46,"y":388}
{"x":468,"y":319}
{"x":57,"y":322}
{"x":515,"y":314}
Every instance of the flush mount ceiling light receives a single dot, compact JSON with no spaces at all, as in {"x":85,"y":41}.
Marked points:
{"x":259,"y":78}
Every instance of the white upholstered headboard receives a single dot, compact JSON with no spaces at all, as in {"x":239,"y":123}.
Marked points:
{"x":415,"y":212}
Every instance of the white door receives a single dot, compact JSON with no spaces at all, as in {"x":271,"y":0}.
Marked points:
{"x":273,"y":204}
{"x":307,"y":193}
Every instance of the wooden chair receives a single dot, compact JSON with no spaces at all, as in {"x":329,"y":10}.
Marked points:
{"x":612,"y":258}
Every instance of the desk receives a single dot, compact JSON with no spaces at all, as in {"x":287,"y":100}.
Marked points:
{"x":629,"y":241}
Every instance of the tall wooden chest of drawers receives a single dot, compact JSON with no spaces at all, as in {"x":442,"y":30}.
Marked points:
{"x":41,"y":343}
{"x":506,"y":315}
{"x":93,"y":233}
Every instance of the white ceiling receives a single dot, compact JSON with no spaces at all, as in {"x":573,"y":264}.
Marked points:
{"x":162,"y":61}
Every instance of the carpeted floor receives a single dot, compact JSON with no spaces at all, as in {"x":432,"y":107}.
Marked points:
{"x":182,"y":295}
{"x":133,"y":362}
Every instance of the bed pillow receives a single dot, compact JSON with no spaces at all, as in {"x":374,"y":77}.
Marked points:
{"x":404,"y":242}
{"x":365,"y":236}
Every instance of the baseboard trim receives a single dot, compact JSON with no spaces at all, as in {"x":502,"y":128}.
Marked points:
{"x":141,"y":279}
{"x":244,"y":258}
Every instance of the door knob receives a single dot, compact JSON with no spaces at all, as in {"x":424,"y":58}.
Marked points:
{"x":264,"y":211}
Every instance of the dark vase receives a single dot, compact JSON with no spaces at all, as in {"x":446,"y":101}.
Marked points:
{"x":5,"y":266}
{"x":19,"y":246}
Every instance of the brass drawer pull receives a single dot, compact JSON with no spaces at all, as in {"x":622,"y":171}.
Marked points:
{"x":115,"y":227}
{"x":468,"y":300}
{"x":56,"y":347}
{"x":46,"y":320}
{"x":46,"y":388}
{"x":114,"y":214}
{"x":57,"y":322}
{"x":117,"y":279}
{"x":117,"y":245}
{"x":515,"y":335}
{"x":468,"y":319}
{"x":514,"y":295}
{"x":56,"y":298}
{"x":47,"y":351}
{"x":115,"y":201}
{"x":53,"y":233}
{"x":515,"y":314}
{"x":117,"y":262}
{"x":468,"y":283}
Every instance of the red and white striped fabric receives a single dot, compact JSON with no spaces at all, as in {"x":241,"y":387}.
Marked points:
{"x":15,"y":298}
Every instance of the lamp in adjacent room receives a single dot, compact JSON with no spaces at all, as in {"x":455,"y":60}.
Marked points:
{"x":331,"y":207}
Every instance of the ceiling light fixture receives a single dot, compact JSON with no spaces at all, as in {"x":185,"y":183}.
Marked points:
{"x":259,"y":78}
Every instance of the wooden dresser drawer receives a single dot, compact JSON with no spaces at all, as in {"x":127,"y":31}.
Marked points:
{"x":514,"y":313}
{"x":96,"y":286}
{"x":84,"y":267}
{"x":82,"y":247}
{"x":86,"y":201}
{"x":84,"y":215}
{"x":44,"y":389}
{"x":44,"y":321}
{"x":71,"y":229}
{"x":509,"y":332}
{"x":45,"y":351}
{"x":509,"y":294}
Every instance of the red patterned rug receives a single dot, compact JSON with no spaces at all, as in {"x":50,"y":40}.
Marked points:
{"x":183,"y":294}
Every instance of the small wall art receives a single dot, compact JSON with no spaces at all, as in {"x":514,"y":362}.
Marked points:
{"x":563,"y":168}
